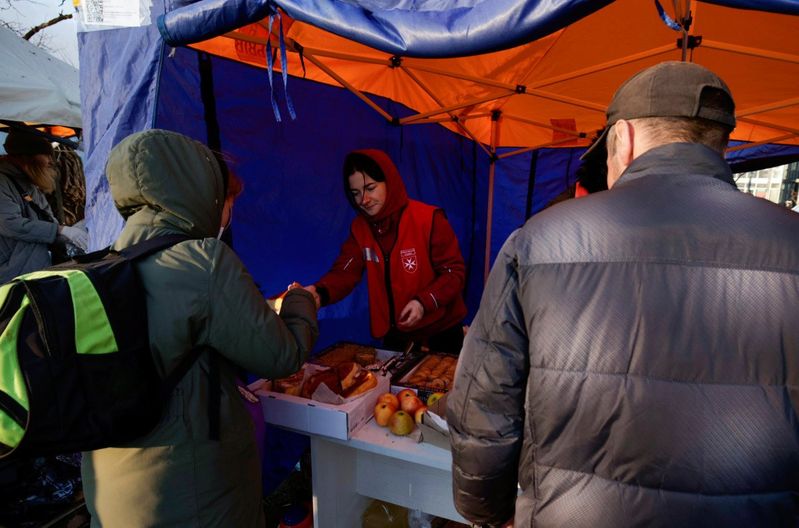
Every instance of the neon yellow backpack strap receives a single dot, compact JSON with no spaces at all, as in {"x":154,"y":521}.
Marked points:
{"x":93,"y":332}
{"x":11,"y":380}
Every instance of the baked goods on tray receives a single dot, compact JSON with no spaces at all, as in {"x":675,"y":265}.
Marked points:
{"x":435,"y":372}
{"x":345,"y":352}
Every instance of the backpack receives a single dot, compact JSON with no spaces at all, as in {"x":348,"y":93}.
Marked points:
{"x":76,"y":371}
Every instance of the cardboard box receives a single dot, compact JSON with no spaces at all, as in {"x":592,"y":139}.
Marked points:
{"x":434,"y":429}
{"x":325,"y":419}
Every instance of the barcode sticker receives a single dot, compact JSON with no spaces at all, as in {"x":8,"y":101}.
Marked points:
{"x":112,"y":13}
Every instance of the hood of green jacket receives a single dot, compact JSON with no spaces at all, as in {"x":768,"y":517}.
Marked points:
{"x":164,"y":182}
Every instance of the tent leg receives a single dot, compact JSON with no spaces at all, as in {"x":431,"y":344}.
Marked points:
{"x":490,"y":216}
{"x":495,"y":115}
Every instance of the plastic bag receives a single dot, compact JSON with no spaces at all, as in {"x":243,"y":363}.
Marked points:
{"x":381,"y":514}
{"x":420,"y":519}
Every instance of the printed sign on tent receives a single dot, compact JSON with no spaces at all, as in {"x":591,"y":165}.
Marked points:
{"x":118,"y":13}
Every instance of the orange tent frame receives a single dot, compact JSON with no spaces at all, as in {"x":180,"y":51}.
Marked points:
{"x":554,"y":91}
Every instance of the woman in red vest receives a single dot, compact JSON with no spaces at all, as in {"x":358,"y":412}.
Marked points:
{"x":414,"y":267}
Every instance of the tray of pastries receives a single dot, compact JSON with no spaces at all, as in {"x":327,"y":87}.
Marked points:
{"x":345,"y":352}
{"x":434,"y":372}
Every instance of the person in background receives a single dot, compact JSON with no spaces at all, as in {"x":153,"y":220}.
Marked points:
{"x":198,"y":294}
{"x":414,"y":268}
{"x":68,"y":201}
{"x":234,"y":188}
{"x":635,"y":357}
{"x":27,"y":226}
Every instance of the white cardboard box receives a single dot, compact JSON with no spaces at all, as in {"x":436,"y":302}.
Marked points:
{"x":313,"y":417}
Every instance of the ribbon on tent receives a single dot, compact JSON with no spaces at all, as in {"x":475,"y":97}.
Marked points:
{"x":284,"y":64}
{"x":670,"y":22}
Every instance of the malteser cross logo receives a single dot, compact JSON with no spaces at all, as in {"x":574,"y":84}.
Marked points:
{"x":408,"y":257}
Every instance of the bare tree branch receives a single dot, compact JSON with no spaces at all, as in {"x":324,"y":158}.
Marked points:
{"x":46,"y":25}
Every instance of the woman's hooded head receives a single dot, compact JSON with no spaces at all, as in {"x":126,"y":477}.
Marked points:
{"x":377,"y":165}
{"x":172,"y":180}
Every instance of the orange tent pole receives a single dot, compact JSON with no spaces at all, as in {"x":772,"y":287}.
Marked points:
{"x":764,"y":142}
{"x":528,"y":149}
{"x":544,"y":125}
{"x":604,"y":66}
{"x":520,"y":89}
{"x":767,"y":108}
{"x":409,"y":63}
{"x":447,"y":109}
{"x":765,"y":124}
{"x":745,"y":50}
{"x":438,"y":101}
{"x":345,"y":56}
{"x":319,"y":64}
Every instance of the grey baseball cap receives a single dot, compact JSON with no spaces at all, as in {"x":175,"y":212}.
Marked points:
{"x":668,"y":89}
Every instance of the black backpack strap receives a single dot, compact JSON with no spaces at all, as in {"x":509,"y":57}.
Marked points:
{"x":148,"y":247}
{"x":215,"y":386}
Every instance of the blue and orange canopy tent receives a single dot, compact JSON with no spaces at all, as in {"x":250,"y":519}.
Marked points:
{"x":466,"y":95}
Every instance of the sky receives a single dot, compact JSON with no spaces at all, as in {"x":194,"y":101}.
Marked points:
{"x":60,"y":40}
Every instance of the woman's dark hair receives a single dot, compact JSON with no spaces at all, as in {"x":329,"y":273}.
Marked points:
{"x":357,"y":162}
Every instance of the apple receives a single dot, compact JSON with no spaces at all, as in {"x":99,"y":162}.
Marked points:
{"x":389,"y":398}
{"x":405,"y":393}
{"x":433,"y":398}
{"x":409,"y":404}
{"x":383,"y":412}
{"x":401,"y":423}
{"x":418,"y":414}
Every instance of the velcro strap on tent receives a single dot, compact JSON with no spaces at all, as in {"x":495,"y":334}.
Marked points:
{"x":284,"y":68}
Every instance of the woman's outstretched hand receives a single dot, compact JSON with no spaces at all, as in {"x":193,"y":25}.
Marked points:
{"x":411,"y":314}
{"x":312,"y":290}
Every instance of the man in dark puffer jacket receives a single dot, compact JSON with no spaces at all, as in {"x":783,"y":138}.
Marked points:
{"x":635,"y":358}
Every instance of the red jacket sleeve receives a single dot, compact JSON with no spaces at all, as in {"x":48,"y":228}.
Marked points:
{"x":344,"y":275}
{"x":448,"y":266}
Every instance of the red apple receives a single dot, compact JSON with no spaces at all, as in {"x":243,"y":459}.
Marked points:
{"x":401,"y":423}
{"x":418,"y":414}
{"x":383,"y":412}
{"x":433,"y":398}
{"x":409,"y":404}
{"x":405,"y":393}
{"x":389,"y":398}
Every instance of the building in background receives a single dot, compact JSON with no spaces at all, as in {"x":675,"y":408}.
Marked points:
{"x":776,"y":184}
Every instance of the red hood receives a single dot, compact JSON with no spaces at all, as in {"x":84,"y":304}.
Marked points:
{"x":396,"y":196}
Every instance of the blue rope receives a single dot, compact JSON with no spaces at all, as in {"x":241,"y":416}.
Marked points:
{"x":285,"y":63}
{"x":670,"y":22}
{"x":269,"y":66}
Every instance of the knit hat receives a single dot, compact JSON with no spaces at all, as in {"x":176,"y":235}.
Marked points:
{"x":24,"y":143}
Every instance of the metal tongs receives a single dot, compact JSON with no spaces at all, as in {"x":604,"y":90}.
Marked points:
{"x":398,"y":358}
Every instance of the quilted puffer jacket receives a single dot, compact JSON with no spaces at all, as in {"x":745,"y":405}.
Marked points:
{"x":635,"y":360}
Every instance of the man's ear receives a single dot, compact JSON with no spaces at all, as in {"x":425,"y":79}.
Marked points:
{"x":625,"y":142}
{"x":621,"y":147}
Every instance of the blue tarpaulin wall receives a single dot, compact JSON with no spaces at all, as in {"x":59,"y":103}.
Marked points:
{"x":293,"y":216}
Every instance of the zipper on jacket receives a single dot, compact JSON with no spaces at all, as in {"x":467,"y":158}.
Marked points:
{"x":389,"y":292}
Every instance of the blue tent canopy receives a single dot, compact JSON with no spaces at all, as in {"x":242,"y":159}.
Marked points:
{"x":443,"y":28}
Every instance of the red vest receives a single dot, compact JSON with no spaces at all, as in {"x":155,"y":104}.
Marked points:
{"x":409,"y":266}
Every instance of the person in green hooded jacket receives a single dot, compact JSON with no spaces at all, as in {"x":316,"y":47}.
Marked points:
{"x":198,"y":293}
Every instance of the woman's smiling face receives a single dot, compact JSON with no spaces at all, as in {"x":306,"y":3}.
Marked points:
{"x":368,"y":194}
